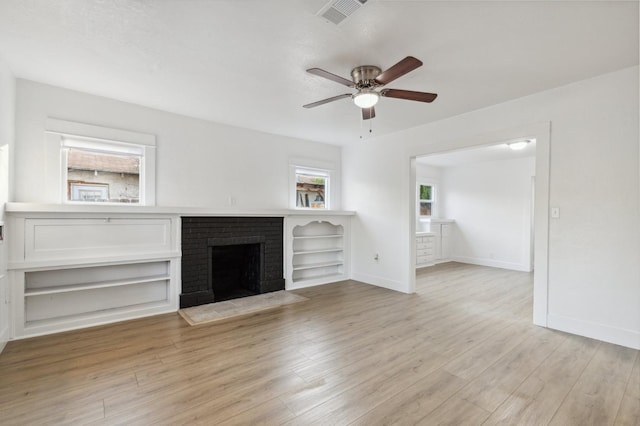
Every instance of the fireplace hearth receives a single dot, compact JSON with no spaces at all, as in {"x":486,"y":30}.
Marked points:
{"x":226,"y":258}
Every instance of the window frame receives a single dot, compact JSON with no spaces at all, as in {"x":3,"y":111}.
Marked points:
{"x":432,"y":200}
{"x":312,"y":171}
{"x":67,"y":134}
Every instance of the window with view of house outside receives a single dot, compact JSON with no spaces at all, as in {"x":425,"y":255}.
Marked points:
{"x":312,"y":189}
{"x":102,"y":177}
{"x":425,"y":193}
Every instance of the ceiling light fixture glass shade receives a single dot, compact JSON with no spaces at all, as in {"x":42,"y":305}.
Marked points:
{"x":365,"y":98}
{"x":518,"y":145}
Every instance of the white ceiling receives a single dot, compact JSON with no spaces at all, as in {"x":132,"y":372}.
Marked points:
{"x":477,"y":155}
{"x":243,"y":62}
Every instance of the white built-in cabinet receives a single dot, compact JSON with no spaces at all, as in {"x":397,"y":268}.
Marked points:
{"x":443,"y":233}
{"x":70,"y":271}
{"x":316,"y":250}
{"x":425,"y":250}
{"x":437,"y":243}
{"x":73,"y":267}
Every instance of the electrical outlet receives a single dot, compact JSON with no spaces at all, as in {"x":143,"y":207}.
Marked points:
{"x":376,"y":257}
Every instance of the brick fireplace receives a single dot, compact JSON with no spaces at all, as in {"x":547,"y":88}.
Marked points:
{"x":229,"y":257}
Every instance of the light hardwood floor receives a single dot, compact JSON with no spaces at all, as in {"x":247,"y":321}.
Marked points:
{"x":461,"y":350}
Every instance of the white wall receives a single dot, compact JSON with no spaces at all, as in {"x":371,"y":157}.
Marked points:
{"x":594,"y":248}
{"x":7,"y":110}
{"x":491,"y":204}
{"x":199,"y":163}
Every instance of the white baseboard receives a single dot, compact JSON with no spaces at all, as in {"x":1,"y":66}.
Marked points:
{"x":4,"y":337}
{"x":491,"y":262}
{"x":606,"y":333}
{"x":380,"y":282}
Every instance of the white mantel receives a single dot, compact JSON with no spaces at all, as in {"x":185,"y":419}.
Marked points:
{"x":34,"y":208}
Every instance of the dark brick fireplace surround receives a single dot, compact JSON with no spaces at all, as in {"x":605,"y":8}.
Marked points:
{"x":250,"y":246}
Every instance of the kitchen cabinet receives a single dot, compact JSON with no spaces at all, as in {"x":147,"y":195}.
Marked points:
{"x":425,"y":249}
{"x":440,"y":240}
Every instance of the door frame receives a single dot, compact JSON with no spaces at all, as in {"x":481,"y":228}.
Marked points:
{"x":541,"y":132}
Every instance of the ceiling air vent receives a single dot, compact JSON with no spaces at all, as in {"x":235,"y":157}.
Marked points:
{"x":337,"y":11}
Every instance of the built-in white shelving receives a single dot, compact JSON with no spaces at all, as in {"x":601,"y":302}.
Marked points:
{"x":311,"y":237}
{"x":80,"y":287}
{"x":74,"y":266}
{"x":72,"y":271}
{"x":317,"y":251}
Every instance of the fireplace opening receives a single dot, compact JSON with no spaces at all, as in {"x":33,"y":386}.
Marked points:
{"x":235,"y":267}
{"x":200,"y":235}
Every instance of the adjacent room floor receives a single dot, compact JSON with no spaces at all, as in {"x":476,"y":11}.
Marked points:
{"x":461,"y":350}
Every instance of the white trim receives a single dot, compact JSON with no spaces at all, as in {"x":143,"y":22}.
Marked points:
{"x":542,"y":135}
{"x":380,"y":281}
{"x":89,"y":131}
{"x":309,"y":166}
{"x":62,"y":134}
{"x":490,"y":262}
{"x":541,"y":132}
{"x":101,"y":146}
{"x":606,"y":333}
{"x":310,"y":163}
{"x":413,"y":223}
{"x":5,"y":332}
{"x":29,"y":208}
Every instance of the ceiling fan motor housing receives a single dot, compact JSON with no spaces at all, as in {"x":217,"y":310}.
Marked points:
{"x":364,"y":76}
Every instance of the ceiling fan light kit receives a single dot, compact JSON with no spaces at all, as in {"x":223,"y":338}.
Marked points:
{"x":519,"y":144}
{"x":366,"y":98}
{"x":366,"y":79}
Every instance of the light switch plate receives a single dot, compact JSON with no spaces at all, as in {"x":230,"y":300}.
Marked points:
{"x":555,"y":212}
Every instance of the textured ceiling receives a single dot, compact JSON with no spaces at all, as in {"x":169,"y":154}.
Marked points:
{"x":243,"y":62}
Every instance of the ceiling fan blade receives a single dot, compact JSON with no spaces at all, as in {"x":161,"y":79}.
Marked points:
{"x":406,"y":65}
{"x":368,"y":113}
{"x":326,"y":101}
{"x":332,"y":77}
{"x":408,"y":95}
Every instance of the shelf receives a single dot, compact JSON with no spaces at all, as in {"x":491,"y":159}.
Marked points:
{"x":318,"y":277}
{"x":73,"y":263}
{"x":104,"y":284}
{"x":330,"y":250}
{"x":310,"y":237}
{"x":317,"y":265}
{"x":102,"y":314}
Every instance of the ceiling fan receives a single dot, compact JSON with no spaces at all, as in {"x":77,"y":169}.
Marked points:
{"x":366,"y":79}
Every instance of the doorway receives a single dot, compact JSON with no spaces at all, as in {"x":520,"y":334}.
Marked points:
{"x":534,"y":255}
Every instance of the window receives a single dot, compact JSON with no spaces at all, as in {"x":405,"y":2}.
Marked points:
{"x":312,"y":189}
{"x":94,"y":176}
{"x":426,"y":199}
{"x":102,"y":172}
{"x":103,"y":165}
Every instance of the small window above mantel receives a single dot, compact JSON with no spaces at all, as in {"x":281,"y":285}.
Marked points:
{"x":312,"y":188}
